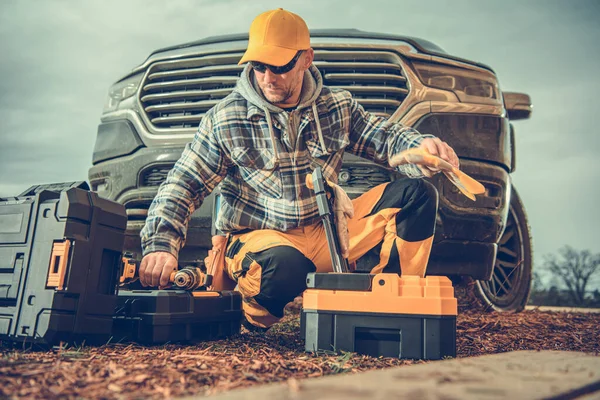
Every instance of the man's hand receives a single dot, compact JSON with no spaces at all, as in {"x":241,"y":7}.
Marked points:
{"x":431,"y":164}
{"x":437,"y":147}
{"x":156,"y":268}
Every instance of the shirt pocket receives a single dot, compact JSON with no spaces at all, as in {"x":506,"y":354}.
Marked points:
{"x":259,"y":169}
{"x":334,"y":143}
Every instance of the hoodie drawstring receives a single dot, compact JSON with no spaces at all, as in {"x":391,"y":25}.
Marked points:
{"x":320,"y":132}
{"x":271,"y":133}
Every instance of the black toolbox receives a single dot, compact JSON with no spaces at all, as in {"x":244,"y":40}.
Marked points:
{"x":60,"y":256}
{"x":176,"y":316}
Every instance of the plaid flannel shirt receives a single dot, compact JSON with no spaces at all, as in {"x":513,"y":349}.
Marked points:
{"x":262,"y":188}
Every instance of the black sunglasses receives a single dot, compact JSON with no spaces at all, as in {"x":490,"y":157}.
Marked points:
{"x":262,"y":68}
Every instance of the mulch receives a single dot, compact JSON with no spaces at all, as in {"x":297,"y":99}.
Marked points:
{"x":115,"y":371}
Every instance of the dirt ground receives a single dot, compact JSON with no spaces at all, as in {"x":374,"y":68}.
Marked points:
{"x":117,"y":371}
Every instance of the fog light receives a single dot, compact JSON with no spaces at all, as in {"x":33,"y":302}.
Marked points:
{"x":344,"y":177}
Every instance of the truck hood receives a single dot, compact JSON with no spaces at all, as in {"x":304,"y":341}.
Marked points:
{"x":240,"y":41}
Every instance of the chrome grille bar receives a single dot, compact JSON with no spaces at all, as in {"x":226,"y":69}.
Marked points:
{"x":187,"y":94}
{"x":199,"y":82}
{"x":181,"y":120}
{"x":204,"y":105}
{"x":204,"y":71}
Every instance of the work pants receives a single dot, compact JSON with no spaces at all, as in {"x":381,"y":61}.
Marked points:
{"x":397,"y":219}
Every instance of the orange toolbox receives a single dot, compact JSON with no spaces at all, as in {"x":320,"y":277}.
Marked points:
{"x":380,"y":315}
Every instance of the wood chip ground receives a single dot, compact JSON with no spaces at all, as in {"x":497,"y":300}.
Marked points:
{"x":121,"y":371}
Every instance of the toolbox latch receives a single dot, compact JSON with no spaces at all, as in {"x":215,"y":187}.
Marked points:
{"x":58,"y":264}
{"x":129,"y":269}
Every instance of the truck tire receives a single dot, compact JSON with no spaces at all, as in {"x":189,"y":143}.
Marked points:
{"x":510,"y":286}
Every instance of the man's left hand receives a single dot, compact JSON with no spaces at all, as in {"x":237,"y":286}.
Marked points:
{"x":437,"y":147}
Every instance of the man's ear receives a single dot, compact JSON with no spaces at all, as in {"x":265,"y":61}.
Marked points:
{"x":309,"y":56}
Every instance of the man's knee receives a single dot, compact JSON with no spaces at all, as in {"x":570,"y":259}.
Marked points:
{"x":283,"y":277}
{"x":403,"y":193}
{"x":426,"y":190}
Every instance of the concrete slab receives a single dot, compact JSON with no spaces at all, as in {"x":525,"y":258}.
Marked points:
{"x":514,"y":376}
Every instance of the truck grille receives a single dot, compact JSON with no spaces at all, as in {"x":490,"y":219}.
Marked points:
{"x":177,"y":93}
{"x":155,"y":175}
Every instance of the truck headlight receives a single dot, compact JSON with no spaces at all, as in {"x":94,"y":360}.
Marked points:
{"x":468,"y":85}
{"x":115,"y":139}
{"x":120,"y":91}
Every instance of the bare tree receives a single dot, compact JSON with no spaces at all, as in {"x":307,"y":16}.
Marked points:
{"x":575,"y":268}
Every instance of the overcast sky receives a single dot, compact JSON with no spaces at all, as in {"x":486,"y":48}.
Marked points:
{"x":58,"y":59}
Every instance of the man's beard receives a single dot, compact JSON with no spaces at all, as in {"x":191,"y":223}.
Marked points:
{"x":278,"y":98}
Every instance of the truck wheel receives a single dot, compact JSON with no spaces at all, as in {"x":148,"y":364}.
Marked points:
{"x":509,"y":288}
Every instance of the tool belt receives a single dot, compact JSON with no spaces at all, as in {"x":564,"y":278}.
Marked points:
{"x":215,"y":264}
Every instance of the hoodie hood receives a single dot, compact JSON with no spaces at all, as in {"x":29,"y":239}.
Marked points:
{"x":249,"y":89}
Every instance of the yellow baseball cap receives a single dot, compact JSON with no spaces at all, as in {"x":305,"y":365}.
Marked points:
{"x":275,"y":38}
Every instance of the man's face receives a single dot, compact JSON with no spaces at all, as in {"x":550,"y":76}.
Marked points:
{"x":282,"y":88}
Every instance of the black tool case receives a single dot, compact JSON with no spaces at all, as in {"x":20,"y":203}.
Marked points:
{"x":421,"y":337}
{"x":176,"y":316}
{"x":60,"y":255}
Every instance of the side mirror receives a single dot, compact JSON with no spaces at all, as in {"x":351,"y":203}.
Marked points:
{"x":518,"y":105}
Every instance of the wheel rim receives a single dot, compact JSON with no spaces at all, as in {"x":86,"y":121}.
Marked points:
{"x":507,"y":274}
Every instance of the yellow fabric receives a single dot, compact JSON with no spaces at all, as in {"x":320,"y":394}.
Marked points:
{"x":388,"y":242}
{"x":257,"y":315}
{"x":249,"y":283}
{"x":414,"y":256}
{"x":275,"y":37}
